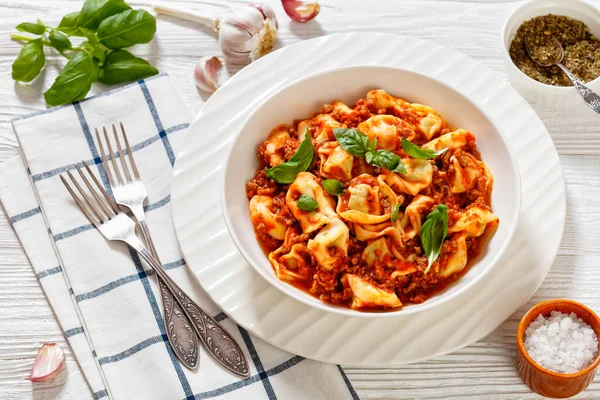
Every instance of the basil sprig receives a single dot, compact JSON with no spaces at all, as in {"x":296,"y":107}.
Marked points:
{"x":107,"y":26}
{"x":395,"y":212}
{"x":357,"y":144}
{"x":433,"y":233}
{"x":416,"y":152}
{"x":286,"y":172}
{"x":30,"y":61}
{"x":333,"y":187}
{"x":307,"y":203}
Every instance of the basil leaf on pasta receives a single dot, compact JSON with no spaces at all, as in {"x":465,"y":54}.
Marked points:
{"x":433,"y":232}
{"x":286,"y":172}
{"x":307,"y":203}
{"x":333,"y":187}
{"x":354,"y":141}
{"x":386,"y":159}
{"x":416,"y":152}
{"x":395,"y":212}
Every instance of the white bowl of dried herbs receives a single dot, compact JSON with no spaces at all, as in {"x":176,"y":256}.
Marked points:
{"x":576,"y":25}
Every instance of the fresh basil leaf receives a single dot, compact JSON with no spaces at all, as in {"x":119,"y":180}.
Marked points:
{"x":59,"y":40}
{"x":126,"y":29}
{"x":400,"y":168}
{"x":30,"y":61}
{"x":433,"y":232}
{"x":416,"y":152}
{"x":383,"y":159}
{"x":372,"y":145}
{"x":36,"y":29}
{"x":354,"y":141}
{"x":68,"y":23}
{"x":307,"y":203}
{"x":99,"y":55}
{"x":94,"y":12}
{"x":395,"y":212}
{"x":92,"y":40}
{"x":122,"y":66}
{"x":74,"y":81}
{"x":286,"y":172}
{"x":333,"y":187}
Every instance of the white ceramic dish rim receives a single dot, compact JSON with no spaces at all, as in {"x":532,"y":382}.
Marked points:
{"x":542,"y":5}
{"x":410,"y":309}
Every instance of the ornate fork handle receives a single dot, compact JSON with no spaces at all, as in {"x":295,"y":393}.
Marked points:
{"x":219,"y":343}
{"x":588,"y":95}
{"x":180,"y":332}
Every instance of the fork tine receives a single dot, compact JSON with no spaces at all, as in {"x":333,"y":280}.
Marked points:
{"x":121,"y":155}
{"x":113,"y":205}
{"x":80,"y":203}
{"x":131,"y":159}
{"x":93,"y":208}
{"x":112,"y":157}
{"x":104,"y":159}
{"x":99,"y":200}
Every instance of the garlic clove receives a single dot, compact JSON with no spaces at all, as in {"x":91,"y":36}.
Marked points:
{"x":267,"y":13}
{"x":206,"y":74}
{"x":247,"y":34}
{"x":49,"y":361}
{"x":301,"y":11}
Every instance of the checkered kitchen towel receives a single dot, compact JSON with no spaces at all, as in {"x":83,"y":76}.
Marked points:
{"x":105,"y":299}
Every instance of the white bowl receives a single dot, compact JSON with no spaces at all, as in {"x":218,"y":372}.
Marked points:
{"x":534,"y":91}
{"x":305,"y":97}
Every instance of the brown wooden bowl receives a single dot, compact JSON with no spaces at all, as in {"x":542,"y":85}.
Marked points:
{"x":541,"y":380}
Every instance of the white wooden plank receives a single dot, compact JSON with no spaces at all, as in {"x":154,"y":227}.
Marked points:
{"x":483,"y":370}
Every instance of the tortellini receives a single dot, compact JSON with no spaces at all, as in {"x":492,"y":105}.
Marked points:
{"x":457,"y":260}
{"x":264,"y":219}
{"x":412,"y":220}
{"x":275,"y":145}
{"x":418,"y":176}
{"x":292,"y":261}
{"x":307,"y":184}
{"x":324,"y":124}
{"x":387,"y":130}
{"x":474,"y":221}
{"x":373,"y":231}
{"x":466,"y":172}
{"x":366,"y":294}
{"x":336,"y":163}
{"x":330,"y":243}
{"x":451,"y":140}
{"x":365,"y":201}
{"x":430,"y":123}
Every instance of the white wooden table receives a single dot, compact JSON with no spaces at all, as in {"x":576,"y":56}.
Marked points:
{"x":482,"y":370}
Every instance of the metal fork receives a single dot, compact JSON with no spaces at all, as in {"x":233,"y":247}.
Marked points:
{"x":129,"y":191}
{"x":105,"y":216}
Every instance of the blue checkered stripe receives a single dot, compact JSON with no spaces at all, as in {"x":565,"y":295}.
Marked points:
{"x":141,"y":275}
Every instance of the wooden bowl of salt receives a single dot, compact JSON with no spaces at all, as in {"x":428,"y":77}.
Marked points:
{"x":557,"y":348}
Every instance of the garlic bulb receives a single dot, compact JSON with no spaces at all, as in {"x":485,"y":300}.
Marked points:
{"x":301,"y":11}
{"x":48,"y":363}
{"x":245,"y":34}
{"x":206,"y":74}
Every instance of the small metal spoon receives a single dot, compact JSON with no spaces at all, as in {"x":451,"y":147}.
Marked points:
{"x":588,"y":95}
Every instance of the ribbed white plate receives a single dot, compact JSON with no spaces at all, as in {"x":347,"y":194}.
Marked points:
{"x":286,"y":323}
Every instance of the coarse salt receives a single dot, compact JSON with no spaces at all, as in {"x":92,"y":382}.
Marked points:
{"x":561,"y":343}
